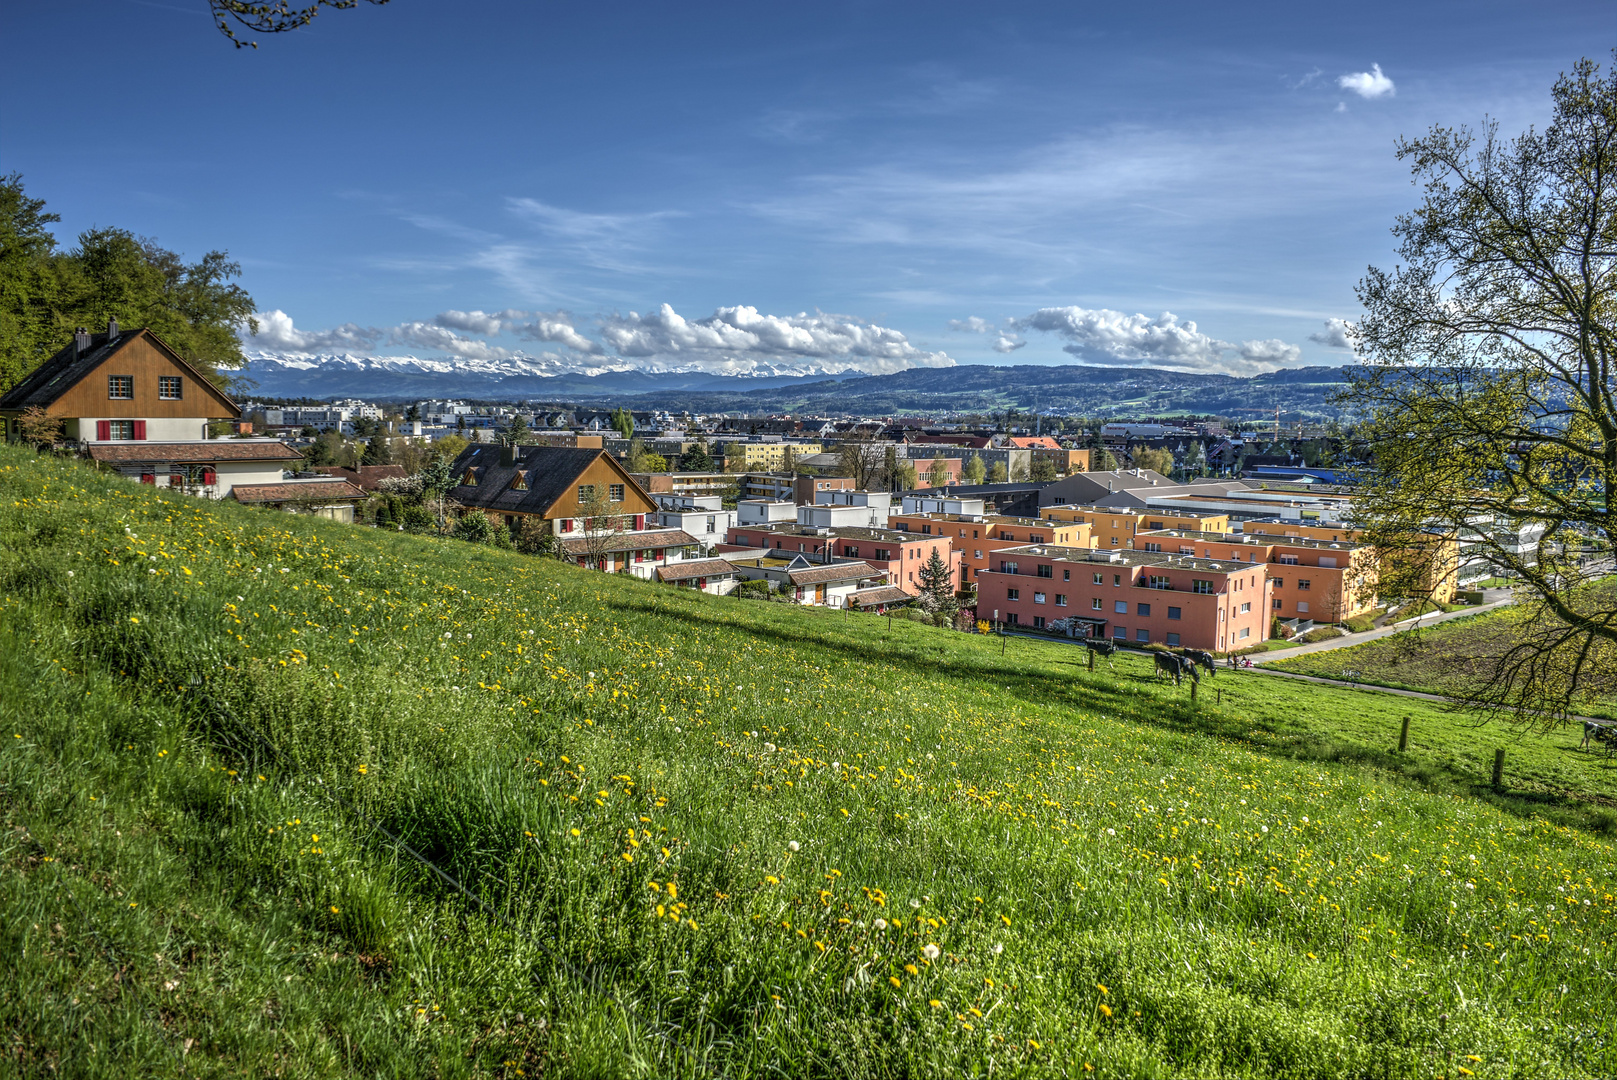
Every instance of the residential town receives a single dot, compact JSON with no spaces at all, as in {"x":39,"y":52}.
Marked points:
{"x":1015,"y":531}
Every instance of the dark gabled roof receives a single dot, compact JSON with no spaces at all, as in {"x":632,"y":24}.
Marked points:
{"x":881,"y":594}
{"x":64,"y":371}
{"x":130,"y":452}
{"x":552,"y":472}
{"x":365,"y":476}
{"x":854,"y":571}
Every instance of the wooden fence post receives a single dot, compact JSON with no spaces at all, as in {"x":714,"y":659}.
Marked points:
{"x":1091,"y":653}
{"x":1403,"y":736}
{"x":1194,"y":685}
{"x":1499,"y":767}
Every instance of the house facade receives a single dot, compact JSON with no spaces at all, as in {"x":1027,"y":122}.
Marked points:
{"x":119,"y":386}
{"x":212,"y":468}
{"x":1132,"y":597}
{"x":897,"y":556}
{"x":1317,"y":580}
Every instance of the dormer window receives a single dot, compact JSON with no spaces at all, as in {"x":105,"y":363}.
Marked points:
{"x":470,"y":479}
{"x":519,"y":482}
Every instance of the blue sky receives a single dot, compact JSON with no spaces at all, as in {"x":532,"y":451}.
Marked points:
{"x":670,"y":186}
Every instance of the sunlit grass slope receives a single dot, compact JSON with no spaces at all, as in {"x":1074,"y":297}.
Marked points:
{"x":722,"y":837}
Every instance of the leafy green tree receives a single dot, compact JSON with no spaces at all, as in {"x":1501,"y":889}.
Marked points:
{"x":635,"y":460}
{"x":1102,"y":460}
{"x":535,"y":538}
{"x":379,"y":451}
{"x":473,"y":526}
{"x":974,"y":471}
{"x":1486,"y":384}
{"x":32,"y":323}
{"x":412,"y":414}
{"x":1043,"y":471}
{"x":998,"y":474}
{"x":1195,"y":460}
{"x":417,"y":519}
{"x":37,"y":429}
{"x":623,"y":422}
{"x":938,"y":475}
{"x":1156,"y":459}
{"x":906,"y":478}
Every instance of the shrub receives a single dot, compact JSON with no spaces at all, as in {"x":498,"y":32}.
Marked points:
{"x":1320,"y":633}
{"x":473,"y":527}
{"x":1359,"y":624}
{"x":418,"y":519}
{"x":757,"y":589}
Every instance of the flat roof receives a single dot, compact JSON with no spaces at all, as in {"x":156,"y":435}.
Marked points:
{"x":1127,"y":557}
{"x":1254,"y":539}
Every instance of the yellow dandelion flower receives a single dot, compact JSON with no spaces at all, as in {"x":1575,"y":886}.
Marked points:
{"x":912,"y":969}
{"x":1104,"y":1011}
{"x":891,"y":978}
{"x":935,"y":1003}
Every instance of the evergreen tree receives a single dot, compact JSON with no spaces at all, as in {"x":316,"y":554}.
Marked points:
{"x":623,"y":422}
{"x":379,"y":451}
{"x":937,"y":587}
{"x":697,"y":458}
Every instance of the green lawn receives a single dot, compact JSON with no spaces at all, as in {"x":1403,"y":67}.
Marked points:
{"x":724,"y":837}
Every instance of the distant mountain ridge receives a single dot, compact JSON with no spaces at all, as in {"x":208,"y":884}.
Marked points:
{"x":1300,"y":393}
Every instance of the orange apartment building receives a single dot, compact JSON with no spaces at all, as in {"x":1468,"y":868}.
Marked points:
{"x":1138,"y":597}
{"x":1115,"y":527}
{"x":900,"y":555}
{"x":977,"y":538}
{"x":1045,"y":448}
{"x":1441,"y":556}
{"x":1323,"y":580}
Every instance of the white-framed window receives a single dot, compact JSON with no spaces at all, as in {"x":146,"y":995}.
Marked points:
{"x":1198,"y":585}
{"x":121,"y":387}
{"x":1099,"y":580}
{"x":1246,"y":632}
{"x":1246,"y":607}
{"x":1061,"y":599}
{"x":1038,"y":598}
{"x":586,"y":493}
{"x":1013,"y":594}
{"x":614,"y":492}
{"x":169,"y":387}
{"x":1303,"y":583}
{"x":1038,"y":622}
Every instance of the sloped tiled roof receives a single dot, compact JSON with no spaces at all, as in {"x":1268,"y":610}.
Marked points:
{"x":193,"y":453}
{"x":552,"y":472}
{"x":629,"y":541}
{"x":64,"y":370}
{"x":694,"y":568}
{"x":882,"y":594}
{"x":834,"y":572}
{"x":366,"y":476}
{"x":298,"y":491}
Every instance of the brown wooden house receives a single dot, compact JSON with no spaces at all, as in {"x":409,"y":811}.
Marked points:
{"x":120,"y":386}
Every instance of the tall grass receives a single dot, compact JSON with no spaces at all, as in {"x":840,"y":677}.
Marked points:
{"x":720,"y":837}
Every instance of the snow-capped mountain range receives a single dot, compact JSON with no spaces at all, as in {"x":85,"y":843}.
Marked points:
{"x":398,"y":378}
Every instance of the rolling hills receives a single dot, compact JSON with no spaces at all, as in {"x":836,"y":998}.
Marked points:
{"x":711,"y":836}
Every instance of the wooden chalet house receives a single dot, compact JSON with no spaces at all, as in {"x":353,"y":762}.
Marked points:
{"x":133,"y":405}
{"x":559,"y":487}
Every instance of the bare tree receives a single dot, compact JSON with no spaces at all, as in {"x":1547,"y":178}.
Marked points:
{"x":601,"y":523}
{"x":275,"y":17}
{"x":37,"y":429}
{"x":1488,"y":380}
{"x":860,"y":458}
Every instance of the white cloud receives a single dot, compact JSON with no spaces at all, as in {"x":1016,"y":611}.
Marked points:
{"x":741,"y":340}
{"x":423,"y":335}
{"x":277,"y":334}
{"x":558,"y":326}
{"x":1335,"y":335}
{"x":478,"y":322}
{"x":1271,"y":352}
{"x":1005,"y":343}
{"x":1105,"y":336}
{"x":1368,"y":84}
{"x":970,"y":325}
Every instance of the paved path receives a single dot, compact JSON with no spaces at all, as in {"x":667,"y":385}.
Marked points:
{"x":1349,"y":640}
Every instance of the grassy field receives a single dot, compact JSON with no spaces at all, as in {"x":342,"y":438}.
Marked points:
{"x":1437,"y":660}
{"x":716,"y":837}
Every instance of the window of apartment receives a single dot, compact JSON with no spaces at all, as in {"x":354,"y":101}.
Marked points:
{"x":1280,"y":582}
{"x":1098,"y":579}
{"x":1120,"y":607}
{"x":850,"y":551}
{"x":1246,"y":607}
{"x":1153,"y":547}
{"x":1142,"y":635}
{"x":1302,"y":607}
{"x":711,"y":523}
{"x":1279,"y":604}
{"x":1173,"y":613}
{"x":1173,"y":639}
{"x":1038,"y":622}
{"x":1013,"y":619}
{"x":1013,"y":594}
{"x":1046,"y":570}
{"x":1160,"y":581}
{"x":1183,"y":550}
{"x":1302,"y":583}
{"x":1120,"y":632}
{"x":1153,"y":525}
{"x":884,"y":554}
{"x":977,"y":553}
{"x":1115,"y":541}
{"x":586,"y":493}
{"x":973,"y":534}
{"x":1038,"y":598}
{"x":1143,"y":610}
{"x":1061,"y":599}
{"x":1246,"y":632}
{"x":927,"y":529}
{"x":1288,"y":560}
{"x":1117,"y":579}
{"x":121,"y":387}
{"x":614,"y":492}
{"x":168,"y":387}
{"x":1007,"y":567}
{"x":1094,"y":603}
{"x":1066,"y":573}
{"x":1035,"y":538}
{"x":1199,"y":586}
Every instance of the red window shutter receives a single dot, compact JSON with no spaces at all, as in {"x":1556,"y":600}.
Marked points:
{"x":639,"y":522}
{"x":148,"y":478}
{"x":103,"y":430}
{"x":176,"y":480}
{"x":209,"y":476}
{"x":140,"y":429}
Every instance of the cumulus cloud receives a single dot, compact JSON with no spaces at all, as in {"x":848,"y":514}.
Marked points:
{"x":1368,"y":84}
{"x":478,"y":322}
{"x":1005,"y":343}
{"x":558,"y":327}
{"x":971,"y":325}
{"x":1105,"y":336}
{"x":277,"y":334}
{"x":1335,"y":335}
{"x":434,"y":338}
{"x":742,"y":340}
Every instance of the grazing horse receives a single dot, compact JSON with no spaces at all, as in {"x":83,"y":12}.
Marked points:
{"x":1176,"y":666}
{"x":1102,"y":646}
{"x":1205,"y":659}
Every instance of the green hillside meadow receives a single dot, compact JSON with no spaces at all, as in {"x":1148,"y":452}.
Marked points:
{"x":724,"y":838}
